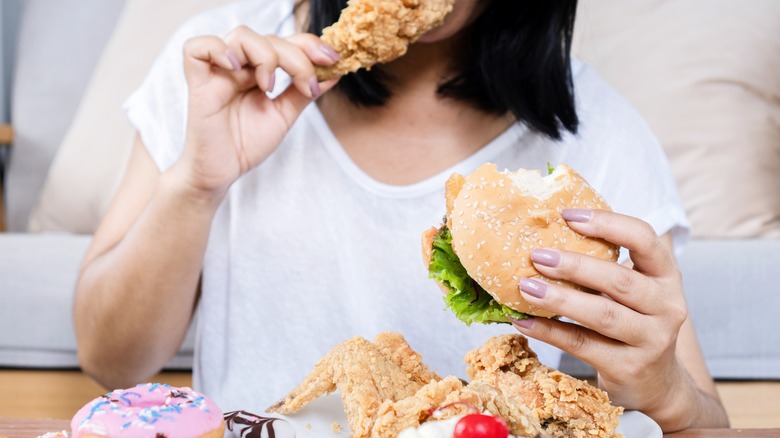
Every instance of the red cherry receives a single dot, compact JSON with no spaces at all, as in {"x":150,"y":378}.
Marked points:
{"x":481,"y":426}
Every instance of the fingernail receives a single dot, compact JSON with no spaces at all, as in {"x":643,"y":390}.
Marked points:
{"x":329,"y":52}
{"x":522,"y":323}
{"x":315,"y":87}
{"x":532,"y":287}
{"x":577,"y":215}
{"x":233,"y":60}
{"x":271,"y":82}
{"x":546,"y":257}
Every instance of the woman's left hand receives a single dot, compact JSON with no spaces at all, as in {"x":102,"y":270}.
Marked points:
{"x":628,"y":329}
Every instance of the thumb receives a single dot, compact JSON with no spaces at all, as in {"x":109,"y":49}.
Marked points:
{"x":292,"y":102}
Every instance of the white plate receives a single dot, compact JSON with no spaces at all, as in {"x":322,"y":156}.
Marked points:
{"x":324,"y":416}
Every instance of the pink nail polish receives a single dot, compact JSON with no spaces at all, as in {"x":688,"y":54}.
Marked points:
{"x":271,"y":82}
{"x":532,"y":287}
{"x":546,"y":257}
{"x":522,"y":323}
{"x":329,"y":52}
{"x":315,"y":87}
{"x":233,"y":60}
{"x":577,"y":215}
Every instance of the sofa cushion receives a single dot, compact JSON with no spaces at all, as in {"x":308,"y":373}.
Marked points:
{"x":98,"y":143}
{"x":39,"y":274}
{"x":704,"y":74}
{"x":731,"y":288}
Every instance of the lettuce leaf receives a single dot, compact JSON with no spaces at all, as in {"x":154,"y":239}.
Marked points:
{"x":467,"y":299}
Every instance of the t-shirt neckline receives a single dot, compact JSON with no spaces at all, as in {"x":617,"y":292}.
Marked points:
{"x":436,"y":182}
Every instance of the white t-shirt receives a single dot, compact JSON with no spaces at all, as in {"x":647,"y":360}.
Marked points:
{"x":307,"y":250}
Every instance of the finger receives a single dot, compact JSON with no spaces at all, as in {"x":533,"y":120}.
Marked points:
{"x":297,"y":64}
{"x":619,"y":282}
{"x":578,"y":341}
{"x":292,"y":102}
{"x":595,"y":312}
{"x":201,"y":54}
{"x":649,"y":254}
{"x":255,"y":52}
{"x":318,"y":51}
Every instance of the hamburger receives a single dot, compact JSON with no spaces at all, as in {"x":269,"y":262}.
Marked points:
{"x":494,"y":219}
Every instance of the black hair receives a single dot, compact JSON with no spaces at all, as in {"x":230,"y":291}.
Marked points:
{"x":517,"y":60}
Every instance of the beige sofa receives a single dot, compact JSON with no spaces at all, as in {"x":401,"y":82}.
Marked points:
{"x":702,"y":72}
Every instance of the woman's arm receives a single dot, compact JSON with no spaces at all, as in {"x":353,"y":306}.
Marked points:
{"x":138,"y":282}
{"x":708,"y":409}
{"x":635,"y":330}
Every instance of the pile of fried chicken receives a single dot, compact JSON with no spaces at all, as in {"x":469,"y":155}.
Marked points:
{"x":377,"y":31}
{"x":385,"y":388}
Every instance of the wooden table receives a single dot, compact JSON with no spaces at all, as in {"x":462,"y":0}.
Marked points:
{"x":31,"y":428}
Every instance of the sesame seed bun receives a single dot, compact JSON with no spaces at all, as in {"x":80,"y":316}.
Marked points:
{"x":497,"y":218}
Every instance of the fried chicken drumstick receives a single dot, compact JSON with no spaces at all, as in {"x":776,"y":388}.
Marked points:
{"x":385,"y":388}
{"x":377,"y":31}
{"x":506,"y":371}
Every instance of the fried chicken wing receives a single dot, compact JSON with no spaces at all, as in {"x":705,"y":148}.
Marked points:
{"x":376,"y":31}
{"x":563,"y":405}
{"x":366,"y":375}
{"x":385,"y":388}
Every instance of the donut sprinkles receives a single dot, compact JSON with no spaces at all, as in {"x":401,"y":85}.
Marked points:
{"x":151,"y":409}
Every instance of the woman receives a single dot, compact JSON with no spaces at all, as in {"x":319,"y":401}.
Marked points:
{"x":294,"y":225}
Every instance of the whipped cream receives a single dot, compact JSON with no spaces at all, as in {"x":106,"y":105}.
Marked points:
{"x":432,"y":429}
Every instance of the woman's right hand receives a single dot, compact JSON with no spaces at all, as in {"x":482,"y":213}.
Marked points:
{"x":232,"y":124}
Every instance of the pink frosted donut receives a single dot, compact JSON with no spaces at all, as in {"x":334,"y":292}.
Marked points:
{"x":149,"y":410}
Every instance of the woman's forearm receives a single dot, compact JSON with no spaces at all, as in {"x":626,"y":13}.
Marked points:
{"x":135,"y":300}
{"x":688,"y":406}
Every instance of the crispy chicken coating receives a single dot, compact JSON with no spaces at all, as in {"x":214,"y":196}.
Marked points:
{"x":377,"y":31}
{"x":366,"y":374}
{"x":563,"y":405}
{"x":385,"y":388}
{"x":395,"y":416}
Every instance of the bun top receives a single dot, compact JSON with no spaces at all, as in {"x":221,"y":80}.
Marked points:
{"x":498,"y":218}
